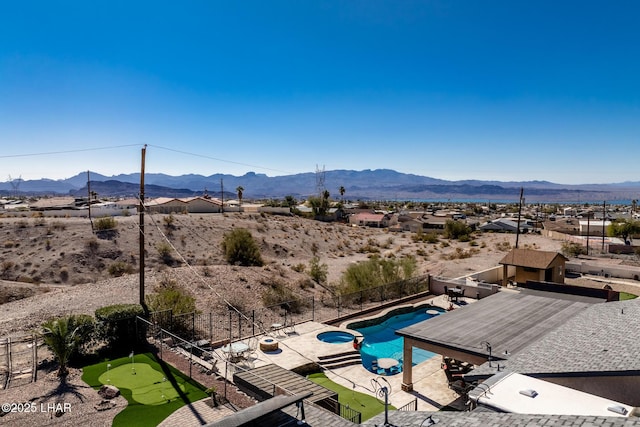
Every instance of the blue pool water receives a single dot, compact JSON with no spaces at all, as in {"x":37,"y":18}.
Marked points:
{"x":381,"y":341}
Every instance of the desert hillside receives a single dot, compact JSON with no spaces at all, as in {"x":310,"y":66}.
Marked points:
{"x":61,"y":266}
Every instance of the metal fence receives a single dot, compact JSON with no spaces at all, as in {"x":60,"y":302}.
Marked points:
{"x":411,"y":406}
{"x":18,"y":360}
{"x":235,"y":325}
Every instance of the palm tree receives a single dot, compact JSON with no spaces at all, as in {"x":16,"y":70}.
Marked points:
{"x":239,"y":190}
{"x":634,"y":206}
{"x":62,"y":338}
{"x":342,"y":191}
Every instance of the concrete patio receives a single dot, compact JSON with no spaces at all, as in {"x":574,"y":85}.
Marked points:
{"x":302,"y":348}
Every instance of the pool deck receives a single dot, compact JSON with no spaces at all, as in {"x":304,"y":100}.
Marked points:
{"x":301,"y":347}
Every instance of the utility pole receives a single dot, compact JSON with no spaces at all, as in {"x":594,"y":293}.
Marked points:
{"x":519,"y":214}
{"x":604,"y":216}
{"x":141,"y":235}
{"x":89,"y":197}
{"x":588,"y":226}
{"x":221,"y":196}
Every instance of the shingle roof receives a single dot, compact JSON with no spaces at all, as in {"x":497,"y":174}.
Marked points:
{"x":601,"y":339}
{"x":530,"y":258}
{"x":492,"y":419}
{"x":509,"y":320}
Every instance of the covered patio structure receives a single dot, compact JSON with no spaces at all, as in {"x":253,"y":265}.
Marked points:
{"x":491,"y":329}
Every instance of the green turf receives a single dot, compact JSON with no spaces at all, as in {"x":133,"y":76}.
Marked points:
{"x":367,"y":405}
{"x":154,"y":392}
{"x":625,"y":296}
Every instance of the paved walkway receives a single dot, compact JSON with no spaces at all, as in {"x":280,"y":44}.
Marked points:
{"x":196,"y":414}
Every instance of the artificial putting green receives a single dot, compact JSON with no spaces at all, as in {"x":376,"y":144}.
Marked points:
{"x":148,"y":386}
{"x":367,"y":405}
{"x":154,"y":392}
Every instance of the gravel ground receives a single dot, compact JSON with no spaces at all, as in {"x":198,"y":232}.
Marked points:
{"x":76,"y":401}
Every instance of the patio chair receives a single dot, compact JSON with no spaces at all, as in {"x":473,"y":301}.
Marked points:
{"x":253,"y":347}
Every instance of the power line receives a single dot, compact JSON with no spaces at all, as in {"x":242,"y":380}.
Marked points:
{"x":219,"y":160}
{"x":79,"y":150}
{"x":233,"y":308}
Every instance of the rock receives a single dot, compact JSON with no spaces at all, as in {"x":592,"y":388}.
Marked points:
{"x":108,"y":392}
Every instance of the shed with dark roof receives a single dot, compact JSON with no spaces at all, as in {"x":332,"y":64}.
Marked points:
{"x":533,"y":265}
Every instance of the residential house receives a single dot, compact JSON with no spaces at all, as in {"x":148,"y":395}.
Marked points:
{"x":366,"y":219}
{"x":506,"y":225}
{"x":169,"y":205}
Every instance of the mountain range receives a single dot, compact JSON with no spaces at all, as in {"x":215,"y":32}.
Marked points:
{"x":379,"y":184}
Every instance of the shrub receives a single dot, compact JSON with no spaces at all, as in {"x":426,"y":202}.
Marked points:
{"x":117,"y":324}
{"x":420,"y":236}
{"x":64,"y":274}
{"x":120,"y":268}
{"x":456,"y":229}
{"x":164,"y":250}
{"x":318,"y":272}
{"x":570,"y":249}
{"x":299,"y":268}
{"x":105,"y":223}
{"x":503,"y":246}
{"x":169,"y":295}
{"x":376,"y":272}
{"x":91,"y":245}
{"x":460,"y":253}
{"x":240,"y":249}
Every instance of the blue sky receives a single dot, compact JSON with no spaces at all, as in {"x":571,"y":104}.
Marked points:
{"x":544,"y":90}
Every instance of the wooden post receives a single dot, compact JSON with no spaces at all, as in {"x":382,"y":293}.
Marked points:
{"x":519,"y":213}
{"x":89,"y":198}
{"x":604,"y":216}
{"x":141,"y":234}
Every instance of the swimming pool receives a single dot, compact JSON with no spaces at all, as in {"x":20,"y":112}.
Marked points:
{"x":380,"y":340}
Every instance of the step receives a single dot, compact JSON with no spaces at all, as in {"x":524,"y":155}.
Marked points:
{"x":340,"y":365}
{"x":346,"y":353}
{"x":341,"y":359}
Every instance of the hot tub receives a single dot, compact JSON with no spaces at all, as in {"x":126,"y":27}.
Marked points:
{"x":335,"y":337}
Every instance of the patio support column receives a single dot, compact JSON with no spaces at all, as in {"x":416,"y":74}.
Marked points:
{"x":505,"y":275}
{"x":407,"y":366}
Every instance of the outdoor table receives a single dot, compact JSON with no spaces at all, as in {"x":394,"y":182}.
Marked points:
{"x":387,"y":363}
{"x":235,"y":350}
{"x":276,"y":327}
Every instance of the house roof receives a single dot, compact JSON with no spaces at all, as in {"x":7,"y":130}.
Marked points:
{"x":53,"y":202}
{"x":495,"y":419}
{"x":531,"y":258}
{"x":609,"y":329}
{"x":492,"y":226}
{"x":213,"y":201}
{"x":162,"y":201}
{"x":509,"y":320}
{"x":369,"y":217}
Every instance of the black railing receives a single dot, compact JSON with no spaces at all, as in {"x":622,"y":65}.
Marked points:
{"x":235,"y":325}
{"x":411,"y":406}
